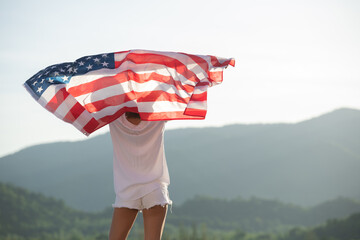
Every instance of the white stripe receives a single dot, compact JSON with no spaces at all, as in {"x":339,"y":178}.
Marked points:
{"x":163,"y":106}
{"x":201,"y":105}
{"x":217,"y":69}
{"x":82,"y":120}
{"x":200,"y":89}
{"x":65,"y":107}
{"x":222,"y":60}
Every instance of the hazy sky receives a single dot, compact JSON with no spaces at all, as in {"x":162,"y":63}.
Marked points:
{"x":294,"y":59}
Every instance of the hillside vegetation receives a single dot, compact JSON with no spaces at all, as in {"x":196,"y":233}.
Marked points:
{"x":26,"y":215}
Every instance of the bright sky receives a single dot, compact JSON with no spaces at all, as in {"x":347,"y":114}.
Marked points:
{"x":294,"y":59}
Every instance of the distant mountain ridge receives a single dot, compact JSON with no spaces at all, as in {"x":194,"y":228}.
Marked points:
{"x":304,"y":163}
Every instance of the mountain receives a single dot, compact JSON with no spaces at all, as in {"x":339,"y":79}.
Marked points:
{"x":304,"y":163}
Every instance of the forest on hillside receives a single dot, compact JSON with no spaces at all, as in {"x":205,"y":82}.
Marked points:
{"x":26,"y":215}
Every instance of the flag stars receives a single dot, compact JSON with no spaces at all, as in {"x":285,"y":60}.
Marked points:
{"x":34,"y":83}
{"x":51,"y":80}
{"x":42,"y":80}
{"x":75,"y":70}
{"x":62,"y":70}
{"x":65,"y":78}
{"x":81,"y":63}
{"x":39,"y":90}
{"x":104,"y":55}
{"x":56,"y":73}
{"x":88,"y":58}
{"x":105,"y":64}
{"x":89,"y":67}
{"x":70,"y":69}
{"x":97,"y":60}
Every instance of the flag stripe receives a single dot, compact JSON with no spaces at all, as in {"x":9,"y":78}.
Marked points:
{"x":91,"y":126}
{"x":175,"y":115}
{"x":74,"y":112}
{"x":58,"y":98}
{"x":96,"y":106}
{"x":83,"y":120}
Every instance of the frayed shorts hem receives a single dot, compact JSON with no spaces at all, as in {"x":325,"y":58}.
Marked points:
{"x":159,"y":196}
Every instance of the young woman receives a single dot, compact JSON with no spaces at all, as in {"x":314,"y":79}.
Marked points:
{"x":141,"y":176}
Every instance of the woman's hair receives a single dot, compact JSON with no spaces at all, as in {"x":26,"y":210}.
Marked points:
{"x":132,"y":115}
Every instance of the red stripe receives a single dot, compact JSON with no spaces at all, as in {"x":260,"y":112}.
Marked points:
{"x":56,"y":101}
{"x":232,"y":62}
{"x":123,"y":77}
{"x":202,"y":84}
{"x":195,"y":112}
{"x":163,"y":116}
{"x":216,"y":76}
{"x":199,"y":97}
{"x":74,"y":113}
{"x":91,"y":126}
{"x":110,"y":101}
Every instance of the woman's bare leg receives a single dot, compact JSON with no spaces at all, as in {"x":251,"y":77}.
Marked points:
{"x":122,"y":221}
{"x":154,"y":222}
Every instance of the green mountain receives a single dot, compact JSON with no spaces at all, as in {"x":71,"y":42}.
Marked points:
{"x":304,"y":163}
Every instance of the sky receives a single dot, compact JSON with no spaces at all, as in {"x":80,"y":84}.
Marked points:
{"x":295,"y":59}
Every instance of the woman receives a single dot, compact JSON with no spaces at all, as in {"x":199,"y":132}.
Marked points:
{"x":141,"y":176}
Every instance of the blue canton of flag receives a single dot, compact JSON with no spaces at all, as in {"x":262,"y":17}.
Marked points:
{"x":62,"y":73}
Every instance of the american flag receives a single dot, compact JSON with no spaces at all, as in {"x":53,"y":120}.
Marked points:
{"x":95,"y":90}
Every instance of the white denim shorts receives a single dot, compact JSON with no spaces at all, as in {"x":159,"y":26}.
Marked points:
{"x":159,"y":196}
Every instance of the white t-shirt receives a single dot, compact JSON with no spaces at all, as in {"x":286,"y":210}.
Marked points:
{"x":139,"y":158}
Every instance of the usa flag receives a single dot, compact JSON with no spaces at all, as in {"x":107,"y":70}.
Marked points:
{"x":95,"y":90}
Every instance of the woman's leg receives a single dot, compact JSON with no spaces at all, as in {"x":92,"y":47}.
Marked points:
{"x":154,"y":222}
{"x":122,"y":221}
